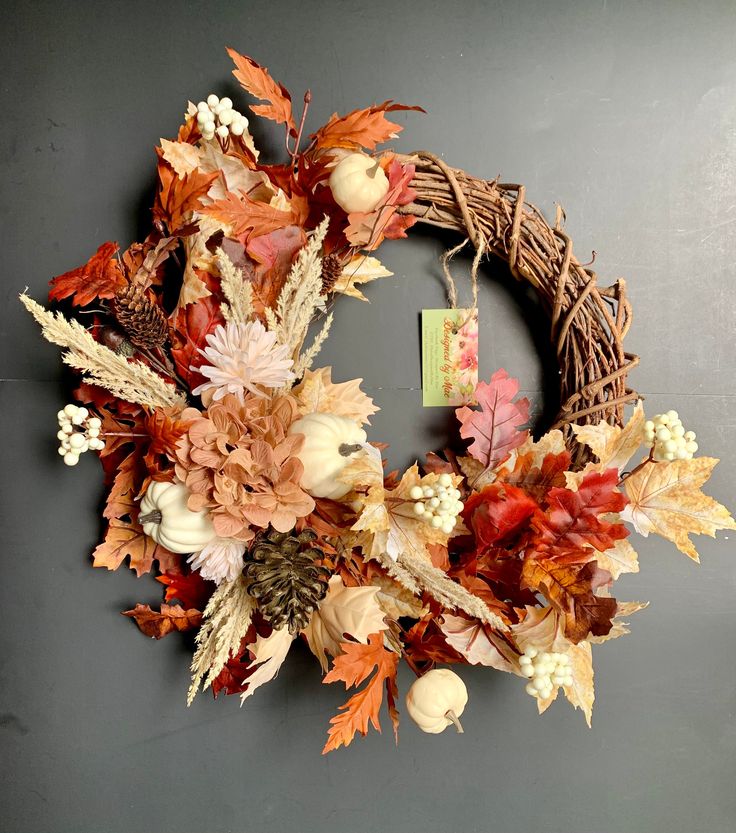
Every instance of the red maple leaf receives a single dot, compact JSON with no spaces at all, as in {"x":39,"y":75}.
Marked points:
{"x":170,"y":618}
{"x":498,"y":513}
{"x":191,"y":326}
{"x":574,"y":519}
{"x":496,"y":428}
{"x":100,"y":277}
{"x":191,"y":590}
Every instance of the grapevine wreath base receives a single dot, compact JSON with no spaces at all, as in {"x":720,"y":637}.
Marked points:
{"x":244,"y":479}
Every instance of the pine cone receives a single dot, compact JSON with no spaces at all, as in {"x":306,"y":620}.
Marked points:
{"x":331,"y":271}
{"x":143,"y":321}
{"x":285,"y":579}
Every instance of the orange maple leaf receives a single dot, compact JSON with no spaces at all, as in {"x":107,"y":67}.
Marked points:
{"x":179,"y":196}
{"x":170,"y":618}
{"x":353,"y":667}
{"x":247,"y":217}
{"x":121,"y":498}
{"x":568,"y":581}
{"x":123,"y":540}
{"x":100,"y":277}
{"x":361,"y":128}
{"x":256,"y":80}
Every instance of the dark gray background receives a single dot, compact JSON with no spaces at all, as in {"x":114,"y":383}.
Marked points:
{"x":624,"y":112}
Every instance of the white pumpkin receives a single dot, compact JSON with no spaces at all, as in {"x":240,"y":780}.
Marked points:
{"x":165,"y":517}
{"x":436,"y":700}
{"x":329,"y":443}
{"x":358,"y":183}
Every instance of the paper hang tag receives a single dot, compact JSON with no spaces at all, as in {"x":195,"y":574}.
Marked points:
{"x":449,"y":356}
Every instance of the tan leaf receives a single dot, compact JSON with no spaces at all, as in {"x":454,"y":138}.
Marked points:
{"x":364,"y":469}
{"x":352,"y":611}
{"x":361,"y":269}
{"x":542,"y":628}
{"x":619,"y":559}
{"x":234,"y":176}
{"x":317,"y":393}
{"x":396,"y":600}
{"x":581,"y":693}
{"x":182,"y":156}
{"x":553,"y":442}
{"x":269,"y":654}
{"x":665,"y":498}
{"x":478,"y":643}
{"x":612,"y":445}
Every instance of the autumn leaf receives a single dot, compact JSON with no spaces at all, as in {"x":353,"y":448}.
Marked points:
{"x":478,"y":643}
{"x":534,"y":477}
{"x":165,"y":430}
{"x":170,"y":618}
{"x":619,"y":559}
{"x":576,"y":518}
{"x":191,"y":326}
{"x":317,"y":393}
{"x":360,"y":270}
{"x":256,"y":80}
{"x":496,"y":428}
{"x":249,"y":219}
{"x":620,"y":628}
{"x":665,"y":498}
{"x":612,"y":445}
{"x":191,"y":590}
{"x":269,"y":654}
{"x":120,"y":501}
{"x":127,"y":540}
{"x":498,"y":512}
{"x":361,"y":128}
{"x":345,"y":611}
{"x":182,"y":156}
{"x":100,"y":277}
{"x":568,"y":581}
{"x":353,"y":667}
{"x":178,"y":197}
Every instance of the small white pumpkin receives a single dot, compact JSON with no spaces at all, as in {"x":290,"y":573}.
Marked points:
{"x":436,"y":700}
{"x":329,"y":443}
{"x":358,"y":183}
{"x":165,"y":517}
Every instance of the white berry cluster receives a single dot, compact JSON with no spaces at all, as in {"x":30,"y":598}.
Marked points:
{"x":78,"y":432}
{"x":666,"y":434}
{"x":438,"y":505}
{"x":545,"y":670}
{"x":216,"y":116}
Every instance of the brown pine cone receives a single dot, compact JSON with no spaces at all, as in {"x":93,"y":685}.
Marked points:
{"x":331,"y":271}
{"x":143,"y":321}
{"x":285,"y":578}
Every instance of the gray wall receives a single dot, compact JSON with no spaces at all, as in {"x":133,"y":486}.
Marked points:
{"x":625,"y":112}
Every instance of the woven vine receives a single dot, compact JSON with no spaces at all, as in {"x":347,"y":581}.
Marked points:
{"x":588,"y":322}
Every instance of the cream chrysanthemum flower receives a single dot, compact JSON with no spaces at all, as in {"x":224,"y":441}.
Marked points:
{"x":221,"y":560}
{"x":243,"y":357}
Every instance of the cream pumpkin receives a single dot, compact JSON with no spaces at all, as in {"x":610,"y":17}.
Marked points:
{"x":358,"y":183}
{"x":165,"y":517}
{"x":436,"y":700}
{"x":330,"y":441}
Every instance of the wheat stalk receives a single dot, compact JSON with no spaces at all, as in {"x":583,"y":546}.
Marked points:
{"x":132,"y":381}
{"x":226,"y":620}
{"x":238,"y":292}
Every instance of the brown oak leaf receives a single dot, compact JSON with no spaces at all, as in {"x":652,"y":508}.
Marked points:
{"x":127,"y":540}
{"x":100,"y":277}
{"x":170,"y":618}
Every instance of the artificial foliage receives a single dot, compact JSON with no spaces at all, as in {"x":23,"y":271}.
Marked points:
{"x":196,"y":351}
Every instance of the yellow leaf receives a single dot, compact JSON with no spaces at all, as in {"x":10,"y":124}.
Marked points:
{"x":344,"y":610}
{"x":361,"y":269}
{"x":396,"y":600}
{"x":665,"y":498}
{"x":317,"y":393}
{"x":612,"y":445}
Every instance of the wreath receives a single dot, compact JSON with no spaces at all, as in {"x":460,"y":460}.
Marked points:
{"x":243,"y":477}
